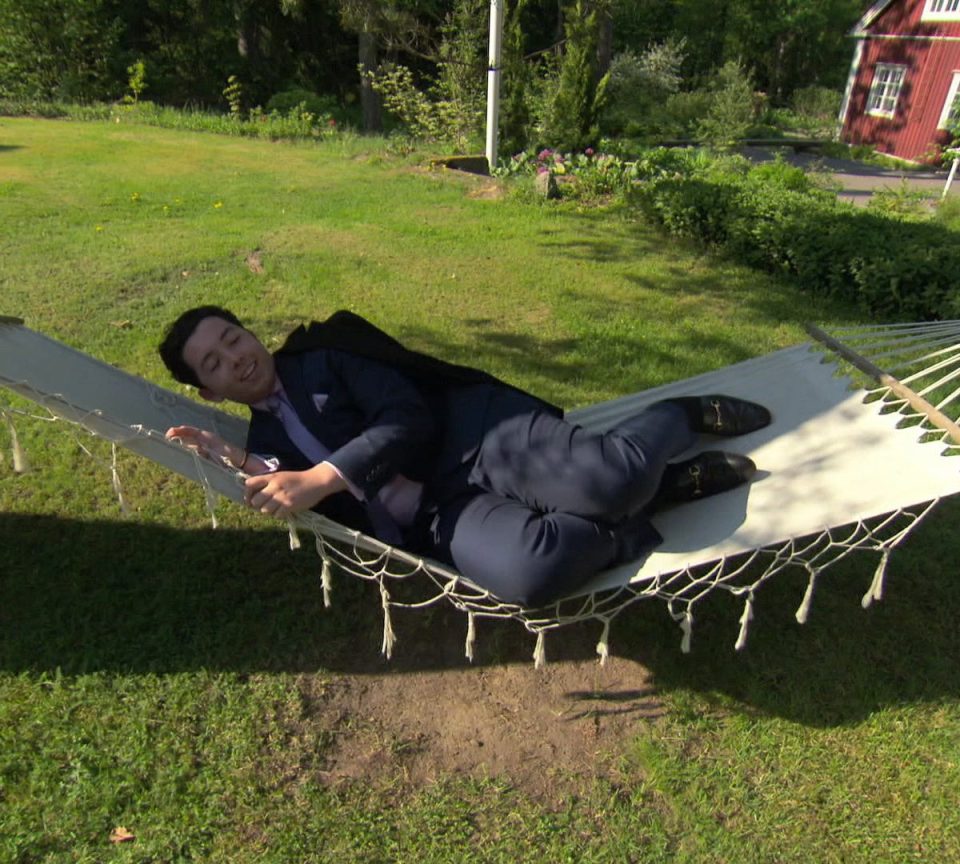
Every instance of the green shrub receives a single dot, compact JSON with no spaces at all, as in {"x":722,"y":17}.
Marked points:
{"x":136,"y":81}
{"x":571,"y":118}
{"x":256,"y":124}
{"x":947,"y":212}
{"x":771,"y":218}
{"x":56,"y":110}
{"x":233,"y":93}
{"x":782,"y":175}
{"x":690,"y":207}
{"x":449,"y":108}
{"x":819,"y":105}
{"x":765,"y":131}
{"x":27,"y":107}
{"x":515,"y":93}
{"x":681,"y":114}
{"x":815,"y":101}
{"x":59,"y":50}
{"x":586,"y":176}
{"x":903,"y":201}
{"x":660,"y":162}
{"x":638,"y":87}
{"x":462,"y":67}
{"x":303,"y":100}
{"x":426,"y":115}
{"x":732,"y":107}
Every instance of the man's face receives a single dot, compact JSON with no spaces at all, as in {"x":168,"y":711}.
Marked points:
{"x":230,"y":362}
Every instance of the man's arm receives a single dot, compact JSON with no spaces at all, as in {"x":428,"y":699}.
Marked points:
{"x":212,"y":446}
{"x":278,"y":493}
{"x":397,"y":426}
{"x":394,"y":431}
{"x":284,"y":492}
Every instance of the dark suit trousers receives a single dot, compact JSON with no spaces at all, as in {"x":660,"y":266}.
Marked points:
{"x":550,"y":504}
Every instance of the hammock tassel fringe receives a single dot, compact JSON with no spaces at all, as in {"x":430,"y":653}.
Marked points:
{"x":686,"y":625}
{"x":540,"y":650}
{"x":210,"y":494}
{"x":326,"y":580}
{"x":745,"y":620}
{"x":20,"y":464}
{"x":389,"y":637}
{"x":603,"y":646}
{"x":471,"y":636}
{"x":294,"y":536}
{"x":875,"y":591}
{"x":804,"y":609}
{"x":115,"y":479}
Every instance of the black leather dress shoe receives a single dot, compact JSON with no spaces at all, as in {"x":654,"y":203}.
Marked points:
{"x":707,"y":473}
{"x":724,"y":415}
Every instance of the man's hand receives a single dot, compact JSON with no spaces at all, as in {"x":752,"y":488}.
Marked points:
{"x":207,"y":444}
{"x":286,"y":492}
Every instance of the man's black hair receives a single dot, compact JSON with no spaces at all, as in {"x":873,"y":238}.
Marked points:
{"x":171,"y":348}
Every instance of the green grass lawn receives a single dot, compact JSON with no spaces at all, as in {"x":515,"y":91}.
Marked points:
{"x":152,"y":672}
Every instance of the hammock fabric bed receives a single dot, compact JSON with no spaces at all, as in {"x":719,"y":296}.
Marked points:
{"x":843,"y":468}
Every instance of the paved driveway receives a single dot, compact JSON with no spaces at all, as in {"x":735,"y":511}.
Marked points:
{"x":860,"y":180}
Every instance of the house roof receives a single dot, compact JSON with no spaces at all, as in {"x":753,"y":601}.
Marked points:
{"x":871,"y":15}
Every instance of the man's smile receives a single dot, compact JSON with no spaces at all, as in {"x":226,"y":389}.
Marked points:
{"x":229,"y":361}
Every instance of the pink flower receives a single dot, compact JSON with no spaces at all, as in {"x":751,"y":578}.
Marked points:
{"x":588,"y":151}
{"x":543,"y":155}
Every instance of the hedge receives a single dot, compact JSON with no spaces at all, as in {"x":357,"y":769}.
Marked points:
{"x":773,"y":218}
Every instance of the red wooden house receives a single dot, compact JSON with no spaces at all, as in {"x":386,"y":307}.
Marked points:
{"x":902,"y":92}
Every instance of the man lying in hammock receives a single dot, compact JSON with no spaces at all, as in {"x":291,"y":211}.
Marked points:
{"x":445,"y":460}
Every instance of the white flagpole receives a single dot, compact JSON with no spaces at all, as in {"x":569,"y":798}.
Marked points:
{"x":493,"y":80}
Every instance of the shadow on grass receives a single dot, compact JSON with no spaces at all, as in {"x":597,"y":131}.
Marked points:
{"x":601,"y":240}
{"x":618,"y":337}
{"x":667,"y":329}
{"x":133,"y":598}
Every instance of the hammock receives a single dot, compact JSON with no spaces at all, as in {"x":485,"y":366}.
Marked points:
{"x":842,"y":469}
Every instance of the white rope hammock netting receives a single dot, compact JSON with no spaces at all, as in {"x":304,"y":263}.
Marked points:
{"x":842,"y":468}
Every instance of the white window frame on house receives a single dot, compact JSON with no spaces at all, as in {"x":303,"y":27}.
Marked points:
{"x":885,"y":89}
{"x":941,"y":10}
{"x":951,"y":105}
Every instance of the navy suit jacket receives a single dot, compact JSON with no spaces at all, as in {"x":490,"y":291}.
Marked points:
{"x":387,"y":411}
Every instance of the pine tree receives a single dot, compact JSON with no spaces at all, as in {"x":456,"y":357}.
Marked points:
{"x":571,"y":122}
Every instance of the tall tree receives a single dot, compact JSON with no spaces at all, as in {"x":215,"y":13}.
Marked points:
{"x":390,"y":27}
{"x":62,"y":49}
{"x":785,"y":45}
{"x":515,"y":84}
{"x":704,"y":26}
{"x":572,"y":119}
{"x":792,"y":43}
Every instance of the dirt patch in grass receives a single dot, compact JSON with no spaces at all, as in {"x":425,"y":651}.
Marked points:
{"x":476,"y":183}
{"x":430,"y":714}
{"x":488,"y":191}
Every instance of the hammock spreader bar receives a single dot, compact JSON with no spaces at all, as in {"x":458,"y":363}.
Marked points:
{"x":933,"y":414}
